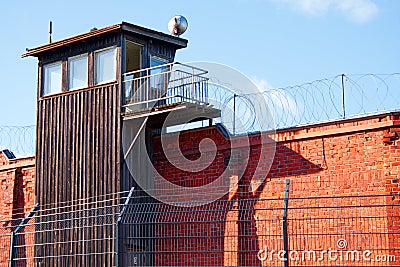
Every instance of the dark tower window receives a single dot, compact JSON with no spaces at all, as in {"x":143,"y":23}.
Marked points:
{"x":133,"y":56}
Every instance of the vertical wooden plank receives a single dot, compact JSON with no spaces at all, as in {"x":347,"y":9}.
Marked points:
{"x":61,"y":188}
{"x":80,"y":155}
{"x":78,"y":161}
{"x":100,"y":164}
{"x":66,"y":170}
{"x":91,"y":69}
{"x":60,"y":191}
{"x":85,"y":170}
{"x":74,"y":166}
{"x":95,"y":162}
{"x":118,"y":153}
{"x":65,"y":78}
{"x":56,"y":174}
{"x":117,"y":137}
{"x":119,"y":63}
{"x":64,"y":159}
{"x":47,"y":197}
{"x":105,"y":165}
{"x":51,"y":166}
{"x":100,"y":161}
{"x":39,"y":83}
{"x":107,"y":148}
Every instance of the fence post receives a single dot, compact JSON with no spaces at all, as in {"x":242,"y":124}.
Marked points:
{"x":118,"y":223}
{"x":343,"y":98}
{"x":234,"y":114}
{"x":12,"y":251}
{"x":284,"y":224}
{"x":14,"y":238}
{"x":116,"y":244}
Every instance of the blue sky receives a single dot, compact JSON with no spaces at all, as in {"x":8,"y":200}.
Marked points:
{"x":276,"y":42}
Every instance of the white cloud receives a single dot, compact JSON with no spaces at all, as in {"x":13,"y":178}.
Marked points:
{"x":359,"y":11}
{"x":278,"y":100}
{"x":261,"y":84}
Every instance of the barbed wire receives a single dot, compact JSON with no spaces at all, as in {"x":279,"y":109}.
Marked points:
{"x":341,"y":96}
{"x":18,"y":139}
{"x":338,"y":97}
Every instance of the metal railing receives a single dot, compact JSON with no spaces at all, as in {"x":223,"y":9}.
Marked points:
{"x":165,"y":84}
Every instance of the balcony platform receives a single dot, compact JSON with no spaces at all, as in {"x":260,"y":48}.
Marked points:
{"x":182,"y":112}
{"x":174,"y":89}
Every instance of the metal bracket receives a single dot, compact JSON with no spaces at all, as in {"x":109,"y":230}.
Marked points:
{"x":134,"y":139}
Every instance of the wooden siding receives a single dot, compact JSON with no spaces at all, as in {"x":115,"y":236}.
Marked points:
{"x":63,"y":53}
{"x":162,"y":50}
{"x":78,"y":156}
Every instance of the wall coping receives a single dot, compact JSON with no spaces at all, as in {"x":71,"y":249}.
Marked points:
{"x":15,"y":163}
{"x":330,"y":128}
{"x":339,"y":127}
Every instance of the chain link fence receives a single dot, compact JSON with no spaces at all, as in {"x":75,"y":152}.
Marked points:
{"x":285,"y":229}
{"x":72,"y":233}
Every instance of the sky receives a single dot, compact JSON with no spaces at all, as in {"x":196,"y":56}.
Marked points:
{"x":277,"y":43}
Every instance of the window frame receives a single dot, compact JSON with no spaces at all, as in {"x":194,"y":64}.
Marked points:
{"x":44,"y":78}
{"x":85,"y":55}
{"x":95,"y":71}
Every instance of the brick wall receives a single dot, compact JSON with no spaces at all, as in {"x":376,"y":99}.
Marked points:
{"x":343,"y":185}
{"x":338,"y":173}
{"x":17,"y":195}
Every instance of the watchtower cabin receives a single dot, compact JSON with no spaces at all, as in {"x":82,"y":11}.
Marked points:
{"x":101,"y":95}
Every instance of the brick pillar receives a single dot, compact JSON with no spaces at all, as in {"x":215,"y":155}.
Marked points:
{"x":392,"y":165}
{"x":231,"y":237}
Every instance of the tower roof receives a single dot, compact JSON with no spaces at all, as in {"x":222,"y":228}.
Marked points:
{"x":121,"y":27}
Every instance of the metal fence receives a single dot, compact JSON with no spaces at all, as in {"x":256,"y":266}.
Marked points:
{"x":284,"y":229}
{"x":73,"y":233}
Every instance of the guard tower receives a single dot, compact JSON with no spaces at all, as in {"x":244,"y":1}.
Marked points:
{"x":94,"y":88}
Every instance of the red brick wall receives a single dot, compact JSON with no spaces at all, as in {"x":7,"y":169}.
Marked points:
{"x":336,"y":166}
{"x":334,"y":170}
{"x":17,"y":195}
